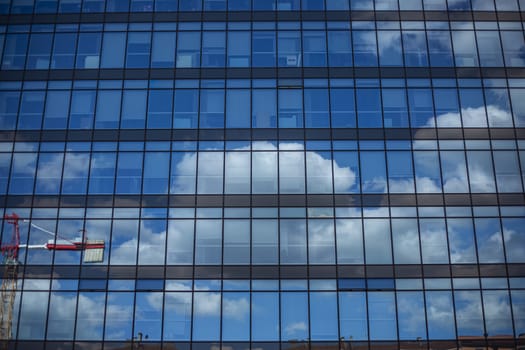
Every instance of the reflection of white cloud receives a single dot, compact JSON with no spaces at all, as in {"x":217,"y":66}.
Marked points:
{"x":236,"y":308}
{"x":439,"y":310}
{"x":263,"y":166}
{"x":62,"y":314}
{"x":472,"y":117}
{"x":514,"y":245}
{"x":205,"y":303}
{"x":297,"y":327}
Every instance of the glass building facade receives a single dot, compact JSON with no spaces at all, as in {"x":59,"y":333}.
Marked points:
{"x":266,"y":174}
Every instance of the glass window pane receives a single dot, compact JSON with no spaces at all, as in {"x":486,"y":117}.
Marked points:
{"x":433,"y":241}
{"x":188,"y":49}
{"x":75,"y":175}
{"x":212,"y":109}
{"x":264,"y":242}
{"x":489,"y":239}
{"x":236,"y":242}
{"x":440,"y":48}
{"x":31,"y":110}
{"x":64,"y":51}
{"x":183,"y":172}
{"x":208,"y":242}
{"x":382,"y":315}
{"x":177,"y":318}
{"x":514,"y":239}
{"x":323,"y":316}
{"x":489,"y":48}
{"x":400,"y":174}
{"x":156,"y":172}
{"x":481,"y":173}
{"x":369,"y":112}
{"x":290,"y":108}
{"x":15,"y":48}
{"x":113,"y":51}
{"x":210,"y":176}
{"x":316,"y":108}
{"x":321,"y":241}
{"x":9,"y":109}
{"x":238,"y":108}
{"x":22,"y":173}
{"x":291,"y":171}
{"x":389,"y":44}
{"x":319,"y":172}
{"x":102,"y":173}
{"x":206,"y":316}
{"x":133,"y":109}
{"x":440,"y":315}
{"x":265,"y":316}
{"x":454,"y":172}
{"x":469,"y":316}
{"x":237,"y":172}
{"x":405,"y":241}
{"x":163,"y":50}
{"x":378,"y":248}
{"x":373,"y":172}
{"x":129,"y":173}
{"x":213,"y":49}
{"x":415,"y":48}
{"x":263,"y":48}
{"x":294,"y":315}
{"x":57,"y":110}
{"x":186,"y":108}
{"x":339,"y":45}
{"x":138,"y":50}
{"x":365,"y":49}
{"x":314,"y":47}
{"x":239,"y":48}
{"x":88,"y":50}
{"x":33,"y":314}
{"x":91,"y":311}
{"x":180,"y":243}
{"x":465,"y":52}
{"x":119,"y":316}
{"x":461,"y":241}
{"x":264,"y":109}
{"x":39,"y":51}
{"x":411,"y":315}
{"x":395,"y":111}
{"x":236,"y":317}
{"x":293,"y":241}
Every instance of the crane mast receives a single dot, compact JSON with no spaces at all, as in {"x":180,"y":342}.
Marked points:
{"x":9,"y":280}
{"x":93,"y":252}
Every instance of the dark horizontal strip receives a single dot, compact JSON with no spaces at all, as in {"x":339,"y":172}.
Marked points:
{"x":271,"y":271}
{"x":261,"y":200}
{"x":111,"y":17}
{"x":467,"y":342}
{"x":266,"y":73}
{"x":104,"y":135}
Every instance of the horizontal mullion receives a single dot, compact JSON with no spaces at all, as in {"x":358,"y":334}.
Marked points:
{"x":265,"y":73}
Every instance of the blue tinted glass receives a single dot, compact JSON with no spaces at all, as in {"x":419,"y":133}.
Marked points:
{"x":31,"y":110}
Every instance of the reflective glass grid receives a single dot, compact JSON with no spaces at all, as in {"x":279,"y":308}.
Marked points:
{"x":262,"y":103}
{"x":340,"y":313}
{"x":90,"y":6}
{"x":263,"y":44}
{"x":285,"y":236}
{"x":292,"y":311}
{"x":262,"y":167}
